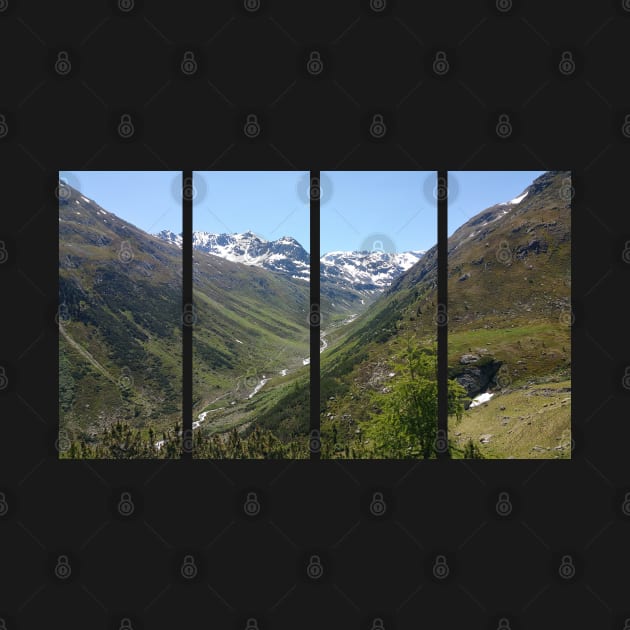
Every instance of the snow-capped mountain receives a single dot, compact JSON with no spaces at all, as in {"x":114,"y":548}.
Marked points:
{"x":345,"y":275}
{"x":284,"y":255}
{"x":351,"y":280}
{"x":367,"y":271}
{"x":480,"y":222}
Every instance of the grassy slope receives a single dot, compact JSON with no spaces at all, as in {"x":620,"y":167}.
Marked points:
{"x":121,"y":314}
{"x":514,"y":306}
{"x":516,"y":313}
{"x":123,"y":323}
{"x":528,"y":422}
{"x":361,"y":356}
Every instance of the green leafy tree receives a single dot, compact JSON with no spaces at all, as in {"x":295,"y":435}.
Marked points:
{"x":406,"y":424}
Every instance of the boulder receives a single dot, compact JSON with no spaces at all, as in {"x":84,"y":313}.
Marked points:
{"x":468,"y":358}
{"x":475,"y":379}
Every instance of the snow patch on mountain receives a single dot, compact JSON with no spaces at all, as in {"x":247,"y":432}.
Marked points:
{"x":518,"y":199}
{"x":368,"y":272}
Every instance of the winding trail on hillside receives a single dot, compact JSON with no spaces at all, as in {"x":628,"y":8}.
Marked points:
{"x":86,"y":355}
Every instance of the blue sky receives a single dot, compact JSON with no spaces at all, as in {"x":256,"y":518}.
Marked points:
{"x":470,"y":192}
{"x":361,"y":208}
{"x":147,"y":199}
{"x":394,"y":210}
{"x":271,"y":204}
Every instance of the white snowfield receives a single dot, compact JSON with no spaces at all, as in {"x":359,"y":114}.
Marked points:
{"x":481,"y":398}
{"x":518,"y":199}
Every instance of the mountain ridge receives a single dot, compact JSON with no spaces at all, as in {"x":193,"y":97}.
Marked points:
{"x":350,"y":279}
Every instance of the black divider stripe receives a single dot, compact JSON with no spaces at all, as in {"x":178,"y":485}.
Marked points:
{"x":442,"y":313}
{"x":315,"y":193}
{"x":187,"y":303}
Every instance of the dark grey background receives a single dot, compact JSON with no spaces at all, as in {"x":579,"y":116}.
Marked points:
{"x":255,"y":62}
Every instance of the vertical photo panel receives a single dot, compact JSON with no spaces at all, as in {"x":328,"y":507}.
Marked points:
{"x":119,"y":315}
{"x":509,"y":314}
{"x":251,"y":333}
{"x":378,"y":285}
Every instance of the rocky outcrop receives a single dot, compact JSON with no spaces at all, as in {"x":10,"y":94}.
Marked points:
{"x":475,"y":376}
